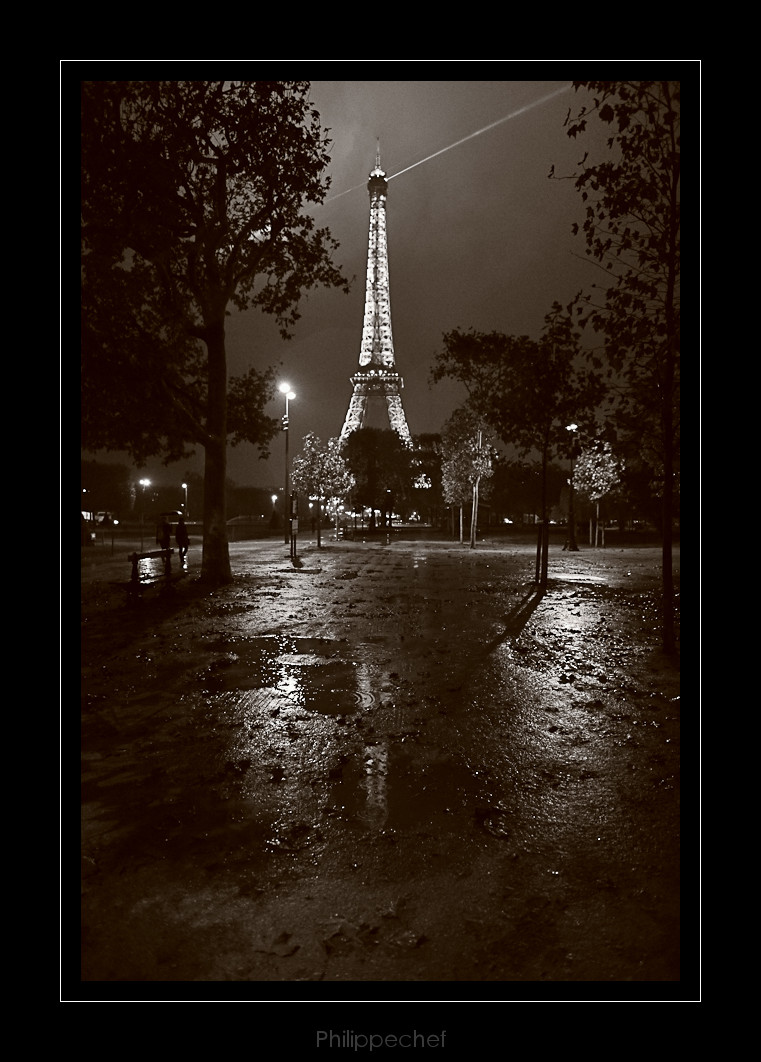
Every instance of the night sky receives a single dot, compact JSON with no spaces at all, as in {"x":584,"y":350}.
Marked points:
{"x":478,"y":236}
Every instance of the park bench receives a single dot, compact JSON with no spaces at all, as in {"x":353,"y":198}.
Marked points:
{"x":163,"y":578}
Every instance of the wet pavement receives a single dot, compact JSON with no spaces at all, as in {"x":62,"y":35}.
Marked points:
{"x":387,"y":761}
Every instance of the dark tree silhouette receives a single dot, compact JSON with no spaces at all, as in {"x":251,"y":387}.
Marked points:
{"x":632,"y":230}
{"x":381,"y":465}
{"x":192,"y":197}
{"x":527,"y":390}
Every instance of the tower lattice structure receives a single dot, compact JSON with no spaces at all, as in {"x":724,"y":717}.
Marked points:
{"x":377,"y":377}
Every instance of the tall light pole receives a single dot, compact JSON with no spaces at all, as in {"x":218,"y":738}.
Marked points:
{"x":285,"y":389}
{"x":143,"y":483}
{"x":185,"y":505}
{"x":571,"y":544}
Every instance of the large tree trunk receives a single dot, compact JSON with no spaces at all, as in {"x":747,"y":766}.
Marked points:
{"x":215,"y":568}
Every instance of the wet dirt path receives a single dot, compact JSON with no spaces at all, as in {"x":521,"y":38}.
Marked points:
{"x":387,"y":763}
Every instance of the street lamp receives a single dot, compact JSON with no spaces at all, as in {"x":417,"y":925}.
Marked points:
{"x":571,"y":543}
{"x":185,"y":505}
{"x":285,"y":389}
{"x":143,"y":483}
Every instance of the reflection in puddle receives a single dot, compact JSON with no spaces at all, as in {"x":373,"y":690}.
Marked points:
{"x":306,"y":672}
{"x":318,"y":686}
{"x":308,"y":715}
{"x":375,"y":756}
{"x":376,"y":784}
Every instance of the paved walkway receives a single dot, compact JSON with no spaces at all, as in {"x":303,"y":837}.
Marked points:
{"x":387,"y":762}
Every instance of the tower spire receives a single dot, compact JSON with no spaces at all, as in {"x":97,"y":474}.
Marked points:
{"x":377,"y":376}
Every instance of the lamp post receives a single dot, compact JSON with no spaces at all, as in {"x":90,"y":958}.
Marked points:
{"x":285,"y":390}
{"x":185,"y":504}
{"x":143,"y":483}
{"x":571,"y":544}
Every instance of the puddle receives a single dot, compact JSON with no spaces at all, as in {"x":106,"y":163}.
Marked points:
{"x":308,"y":673}
{"x":402,"y":788}
{"x":279,"y":684}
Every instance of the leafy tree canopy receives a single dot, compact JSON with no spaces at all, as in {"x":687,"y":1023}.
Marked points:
{"x":192,"y":195}
{"x":632,"y":230}
{"x":192,"y":198}
{"x":380,"y":463}
{"x":596,"y":471}
{"x":468,"y":456}
{"x":526,"y":389}
{"x":320,"y":469}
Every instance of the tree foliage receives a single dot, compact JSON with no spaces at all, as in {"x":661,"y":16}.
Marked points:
{"x":467,"y":455}
{"x":426,"y":497}
{"x":321,"y":472}
{"x":596,"y":471}
{"x":632,"y":230}
{"x":381,"y":464}
{"x":632,"y":215}
{"x":192,"y":197}
{"x":527,"y":389}
{"x":467,"y":458}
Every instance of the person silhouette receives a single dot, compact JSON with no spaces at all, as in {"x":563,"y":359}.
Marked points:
{"x":182,"y":538}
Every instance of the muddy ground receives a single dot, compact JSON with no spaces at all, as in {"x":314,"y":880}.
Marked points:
{"x":387,"y":761}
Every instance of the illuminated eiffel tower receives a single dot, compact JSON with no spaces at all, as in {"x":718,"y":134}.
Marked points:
{"x":377,"y":378}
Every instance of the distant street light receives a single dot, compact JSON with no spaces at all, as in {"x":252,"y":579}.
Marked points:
{"x":285,"y":389}
{"x":571,"y":543}
{"x":185,"y":506}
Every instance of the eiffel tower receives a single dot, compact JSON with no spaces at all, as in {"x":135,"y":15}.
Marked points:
{"x":377,"y":378}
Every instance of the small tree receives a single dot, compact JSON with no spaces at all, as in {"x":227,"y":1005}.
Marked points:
{"x":597,"y":473}
{"x":321,"y":472}
{"x":528,"y":390}
{"x":467,"y":459}
{"x":455,"y":483}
